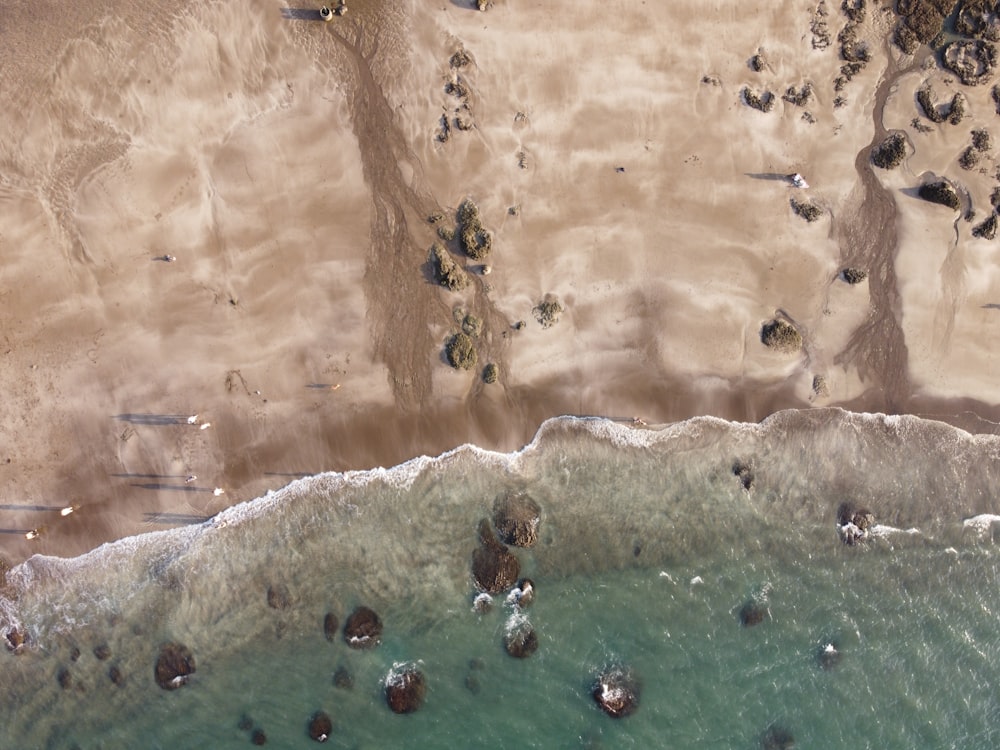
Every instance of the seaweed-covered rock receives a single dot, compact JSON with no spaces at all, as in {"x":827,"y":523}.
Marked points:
{"x":781,"y":335}
{"x":320,"y":726}
{"x":405,"y":690}
{"x":854,"y":524}
{"x":461,"y":352}
{"x":806,"y":209}
{"x":494,"y":567}
{"x":940,"y":192}
{"x":477,"y":242}
{"x":520,"y":639}
{"x":102,"y":652}
{"x":363,"y":629}
{"x":953,"y":111}
{"x":446,"y":271}
{"x":491,"y":373}
{"x":982,"y":140}
{"x":616,"y":690}
{"x":757,"y":63}
{"x":986,"y":230}
{"x":853,"y":275}
{"x":978,"y":19}
{"x":762,"y":102}
{"x":16,"y":639}
{"x":517,"y":517}
{"x":890,"y":153}
{"x":173,"y":666}
{"x":799,"y":97}
{"x":922,"y":19}
{"x":820,"y":387}
{"x":969,"y":158}
{"x":974,"y":61}
{"x":548,"y":311}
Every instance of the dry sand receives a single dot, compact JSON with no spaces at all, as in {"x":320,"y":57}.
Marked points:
{"x":290,"y":166}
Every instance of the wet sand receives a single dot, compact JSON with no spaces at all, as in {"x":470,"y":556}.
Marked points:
{"x":289,"y":167}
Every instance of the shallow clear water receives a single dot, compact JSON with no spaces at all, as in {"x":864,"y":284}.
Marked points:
{"x":649,"y":546}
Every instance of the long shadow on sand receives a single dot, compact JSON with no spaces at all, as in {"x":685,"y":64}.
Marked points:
{"x":186,"y":519}
{"x":783,"y":177}
{"x":156,"y":420}
{"x":301,"y":14}
{"x":150,"y":476}
{"x":33,"y":507}
{"x":164,"y":486}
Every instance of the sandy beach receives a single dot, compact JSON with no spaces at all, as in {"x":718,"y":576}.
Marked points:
{"x":215,"y":233}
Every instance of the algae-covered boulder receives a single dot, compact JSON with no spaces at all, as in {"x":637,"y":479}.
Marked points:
{"x":940,"y":192}
{"x":781,"y":336}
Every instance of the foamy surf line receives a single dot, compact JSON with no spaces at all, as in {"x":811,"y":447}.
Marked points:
{"x":920,"y":479}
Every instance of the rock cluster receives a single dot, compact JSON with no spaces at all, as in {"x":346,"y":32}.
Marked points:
{"x":616,"y":690}
{"x":854,"y":524}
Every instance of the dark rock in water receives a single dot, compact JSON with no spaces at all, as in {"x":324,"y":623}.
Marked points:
{"x":363,"y":629}
{"x":16,"y":639}
{"x":753,"y":613}
{"x":173,"y":666}
{"x":777,"y":738}
{"x":828,"y":656}
{"x":472,"y":684}
{"x":65,"y":678}
{"x":494,"y":566}
{"x":116,"y":676}
{"x":854,"y":524}
{"x":246,"y":723}
{"x":523,"y":594}
{"x":343,"y":678}
{"x":320,"y":726}
{"x":477,"y":663}
{"x":517,"y":517}
{"x":278,"y":596}
{"x":520,"y":640}
{"x":102,"y":652}
{"x":258,"y":737}
{"x":616,"y":690}
{"x":331,"y":624}
{"x":745,"y":474}
{"x":74,"y":653}
{"x":940,"y":192}
{"x":405,"y":691}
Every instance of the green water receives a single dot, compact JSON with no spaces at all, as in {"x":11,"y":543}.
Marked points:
{"x":648,"y":549}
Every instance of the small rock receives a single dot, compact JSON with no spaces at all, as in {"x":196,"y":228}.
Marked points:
{"x":405,"y":690}
{"x":320,"y":726}
{"x":174,"y":665}
{"x":363,"y":629}
{"x":102,"y":652}
{"x":278,"y":596}
{"x":616,"y":691}
{"x":331,"y":624}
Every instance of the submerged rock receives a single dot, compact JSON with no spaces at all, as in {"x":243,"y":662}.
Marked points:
{"x":777,"y":738}
{"x":405,"y":690}
{"x":517,"y":517}
{"x":258,"y":737}
{"x":331,"y":624}
{"x":343,"y":678}
{"x":616,"y":691}
{"x":363,"y":629}
{"x":174,"y":665}
{"x":102,"y":652}
{"x":828,"y":656}
{"x":494,"y":566}
{"x":278,"y":596}
{"x":753,"y":613}
{"x":320,"y":726}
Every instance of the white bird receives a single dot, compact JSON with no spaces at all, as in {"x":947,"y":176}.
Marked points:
{"x":193,"y":419}
{"x":190,"y":478}
{"x":205,"y":426}
{"x":218,"y":491}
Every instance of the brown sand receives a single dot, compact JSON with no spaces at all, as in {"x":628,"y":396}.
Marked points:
{"x":290,"y":166}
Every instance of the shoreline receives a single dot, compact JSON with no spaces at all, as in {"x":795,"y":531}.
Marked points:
{"x":291,"y":167}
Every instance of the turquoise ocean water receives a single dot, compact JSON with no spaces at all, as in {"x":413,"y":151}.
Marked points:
{"x":648,"y":547}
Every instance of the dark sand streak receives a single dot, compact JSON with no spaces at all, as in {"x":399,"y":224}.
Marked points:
{"x":868,"y":239}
